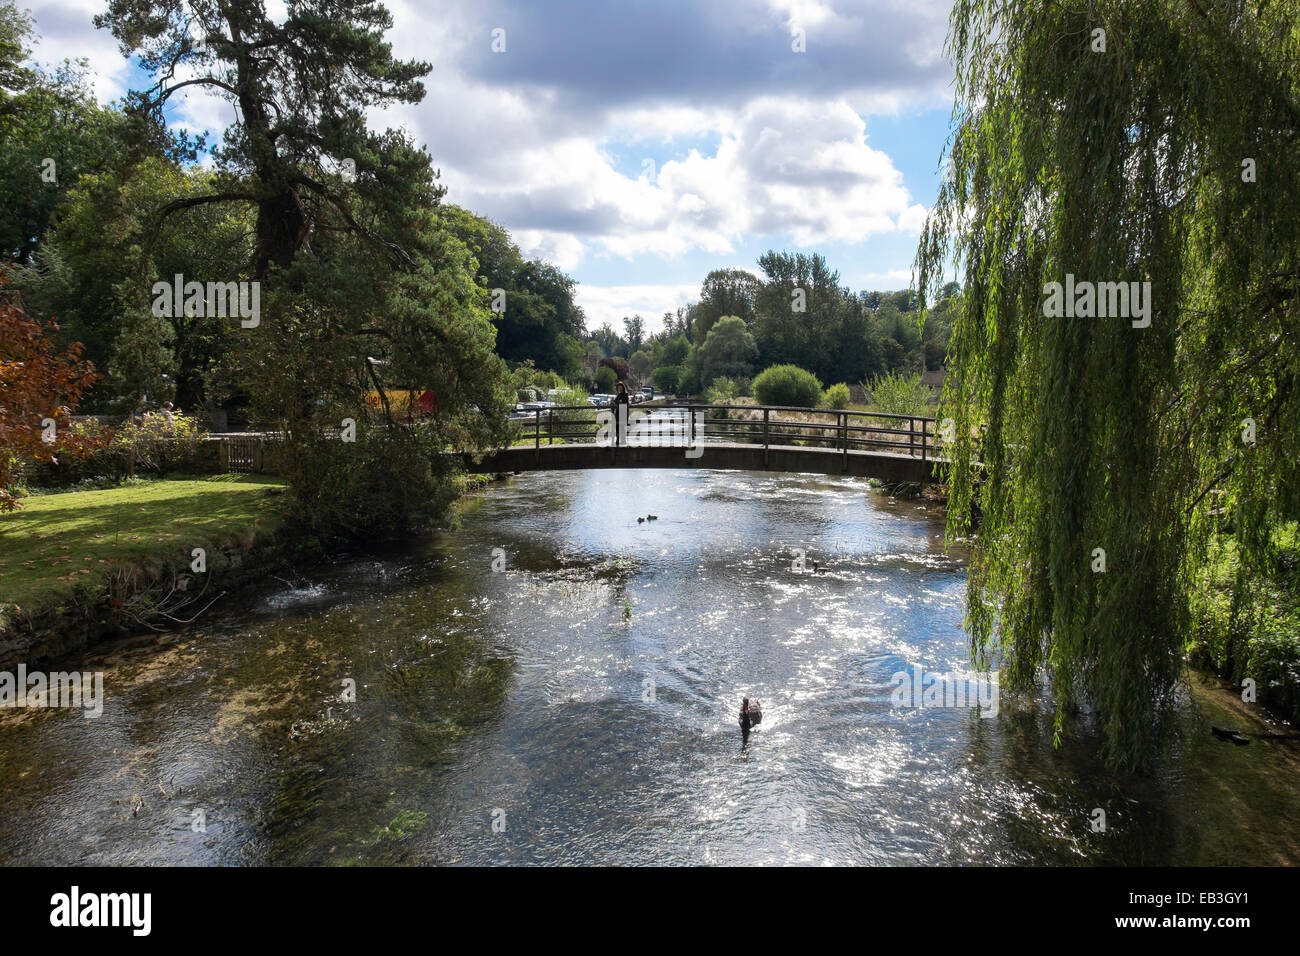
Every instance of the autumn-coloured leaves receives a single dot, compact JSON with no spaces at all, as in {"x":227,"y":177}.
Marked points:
{"x":38,"y":388}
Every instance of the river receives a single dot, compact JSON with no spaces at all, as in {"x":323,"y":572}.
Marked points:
{"x":554,"y":682}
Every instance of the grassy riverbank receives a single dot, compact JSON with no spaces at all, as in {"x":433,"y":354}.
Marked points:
{"x":76,"y":565}
{"x":59,"y":546}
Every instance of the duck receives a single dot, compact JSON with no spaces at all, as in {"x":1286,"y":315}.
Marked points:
{"x":640,"y":520}
{"x":1236,"y":736}
{"x":651,"y":517}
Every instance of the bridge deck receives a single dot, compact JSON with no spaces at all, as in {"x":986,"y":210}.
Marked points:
{"x":729,"y":456}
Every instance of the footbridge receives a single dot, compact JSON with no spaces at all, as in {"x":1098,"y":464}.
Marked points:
{"x":893,"y":448}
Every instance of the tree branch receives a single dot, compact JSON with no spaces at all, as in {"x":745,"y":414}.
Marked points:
{"x":190,"y":201}
{"x":201,"y":81}
{"x":347,"y":216}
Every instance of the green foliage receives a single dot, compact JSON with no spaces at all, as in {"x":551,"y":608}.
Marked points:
{"x":158,"y":445}
{"x":639,"y":364}
{"x":44,"y":116}
{"x":534,"y":385}
{"x":837,"y":396}
{"x":1248,"y":626}
{"x":291,"y":136}
{"x":722,"y":391}
{"x":634,"y":333}
{"x":788,"y":385}
{"x":672,"y":351}
{"x":689,"y":381}
{"x":837,"y":335}
{"x":728,"y":350}
{"x":149,"y":445}
{"x":1123,"y":166}
{"x":725,"y":292}
{"x":95,"y":273}
{"x":605,"y":379}
{"x":666,"y":377}
{"x":382,"y":486}
{"x":526,"y":375}
{"x":899,"y":394}
{"x":617,"y":365}
{"x":365,"y":287}
{"x":541,"y":322}
{"x":833,"y":335}
{"x":608,"y":342}
{"x":435,"y":333}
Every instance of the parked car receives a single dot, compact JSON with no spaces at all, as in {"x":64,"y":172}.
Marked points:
{"x":600,"y":400}
{"x":647,"y":393}
{"x":529,"y":410}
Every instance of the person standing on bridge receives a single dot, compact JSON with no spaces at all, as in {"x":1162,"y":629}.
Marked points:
{"x":621,"y":405}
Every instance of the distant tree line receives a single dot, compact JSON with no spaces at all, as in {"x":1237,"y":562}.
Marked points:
{"x":795,"y":313}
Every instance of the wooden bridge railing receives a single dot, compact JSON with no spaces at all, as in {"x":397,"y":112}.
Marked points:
{"x":764,"y":425}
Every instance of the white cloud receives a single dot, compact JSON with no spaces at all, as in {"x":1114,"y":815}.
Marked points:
{"x":534,"y":141}
{"x":889,"y":279}
{"x":783,"y":167}
{"x":65,"y":31}
{"x":612,"y":303}
{"x":559,"y":248}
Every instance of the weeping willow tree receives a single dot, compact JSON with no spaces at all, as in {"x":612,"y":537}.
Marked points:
{"x":1097,"y":455}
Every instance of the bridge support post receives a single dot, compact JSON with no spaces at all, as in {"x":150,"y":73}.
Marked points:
{"x":844,"y":440}
{"x":765,"y":441}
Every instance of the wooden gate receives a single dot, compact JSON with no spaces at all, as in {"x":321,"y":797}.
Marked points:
{"x":242,"y":455}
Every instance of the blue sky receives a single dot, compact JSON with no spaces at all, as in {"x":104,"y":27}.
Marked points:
{"x":640,"y":144}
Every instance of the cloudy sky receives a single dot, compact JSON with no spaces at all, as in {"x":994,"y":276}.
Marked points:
{"x":639,"y":144}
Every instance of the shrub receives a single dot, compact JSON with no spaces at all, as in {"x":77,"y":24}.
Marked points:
{"x":721,"y":392}
{"x":566,"y":421}
{"x":787,"y":385}
{"x":605,"y":379}
{"x":158,"y":445}
{"x":837,"y":396}
{"x":150,"y":446}
{"x":900,"y":394}
{"x":526,"y":374}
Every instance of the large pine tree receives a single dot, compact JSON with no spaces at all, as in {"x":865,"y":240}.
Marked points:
{"x":363,"y":290}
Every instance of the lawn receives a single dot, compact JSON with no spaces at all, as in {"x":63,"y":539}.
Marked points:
{"x":57,"y":542}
